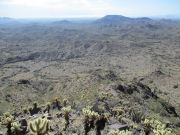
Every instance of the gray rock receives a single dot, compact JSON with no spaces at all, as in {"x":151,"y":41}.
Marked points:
{"x":1,"y":133}
{"x":117,"y":126}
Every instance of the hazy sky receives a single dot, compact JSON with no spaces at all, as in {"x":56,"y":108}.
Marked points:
{"x":88,"y":8}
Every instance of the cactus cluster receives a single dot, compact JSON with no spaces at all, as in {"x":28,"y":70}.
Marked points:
{"x":65,"y":101}
{"x":89,"y":118}
{"x":94,"y":120}
{"x":89,"y":114}
{"x":7,"y":119}
{"x":104,"y":95}
{"x":16,"y":128}
{"x":158,"y":127}
{"x":39,"y":126}
{"x":48,"y":107}
{"x":66,"y":112}
{"x":136,"y":115}
{"x":117,"y":111}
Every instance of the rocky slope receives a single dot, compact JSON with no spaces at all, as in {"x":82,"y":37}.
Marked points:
{"x":136,"y":62}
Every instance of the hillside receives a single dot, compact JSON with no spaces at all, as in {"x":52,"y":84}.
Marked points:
{"x":119,"y":19}
{"x":119,"y":62}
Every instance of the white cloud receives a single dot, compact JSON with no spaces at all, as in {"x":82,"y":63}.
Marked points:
{"x":65,"y":7}
{"x":76,"y":8}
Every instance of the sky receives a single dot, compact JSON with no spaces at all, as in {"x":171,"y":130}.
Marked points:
{"x":87,"y":8}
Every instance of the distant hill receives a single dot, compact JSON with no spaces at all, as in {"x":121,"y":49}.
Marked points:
{"x":7,"y":20}
{"x":119,"y":19}
{"x":62,"y":22}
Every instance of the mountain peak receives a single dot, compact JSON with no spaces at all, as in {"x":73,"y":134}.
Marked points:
{"x":118,"y":19}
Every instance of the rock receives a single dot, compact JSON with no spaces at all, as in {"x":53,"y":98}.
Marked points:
{"x":118,"y":126}
{"x":1,"y":133}
{"x":128,"y":89}
{"x":145,"y":91}
{"x":126,"y":121}
{"x":175,"y":86}
{"x":169,"y":108}
{"x":23,"y":81}
{"x":23,"y":122}
{"x":24,"y":125}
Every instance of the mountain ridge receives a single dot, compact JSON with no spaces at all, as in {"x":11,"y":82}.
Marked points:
{"x":117,"y":19}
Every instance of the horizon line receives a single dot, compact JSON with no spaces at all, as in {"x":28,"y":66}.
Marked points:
{"x":95,"y":17}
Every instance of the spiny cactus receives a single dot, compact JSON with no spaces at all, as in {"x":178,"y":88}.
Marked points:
{"x":158,"y":127}
{"x":136,"y":115}
{"x":65,"y":101}
{"x":39,"y":126}
{"x":104,"y":95}
{"x":117,"y":111}
{"x":89,"y":119}
{"x":16,"y":128}
{"x":7,"y":119}
{"x":66,"y":112}
{"x":88,"y":113}
{"x":163,"y":131}
{"x":124,"y":132}
{"x":48,"y":107}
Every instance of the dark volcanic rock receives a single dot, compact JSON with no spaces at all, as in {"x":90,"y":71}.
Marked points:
{"x":23,"y":81}
{"x":126,"y":88}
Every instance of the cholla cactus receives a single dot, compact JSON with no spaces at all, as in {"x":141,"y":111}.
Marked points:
{"x":106,"y":116}
{"x":66,"y":112}
{"x":7,"y":119}
{"x":16,"y":128}
{"x":158,"y":127}
{"x":39,"y":126}
{"x":124,"y":132}
{"x":88,"y":113}
{"x":89,"y":119}
{"x":163,"y":131}
{"x":65,"y":101}
{"x":118,"y":111}
{"x":104,"y":95}
{"x":48,"y":107}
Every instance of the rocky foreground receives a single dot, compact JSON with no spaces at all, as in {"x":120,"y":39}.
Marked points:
{"x":122,"y":109}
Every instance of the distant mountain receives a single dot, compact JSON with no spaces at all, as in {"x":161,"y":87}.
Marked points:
{"x":7,"y":20}
{"x":119,"y":19}
{"x":112,"y":18}
{"x":62,"y":22}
